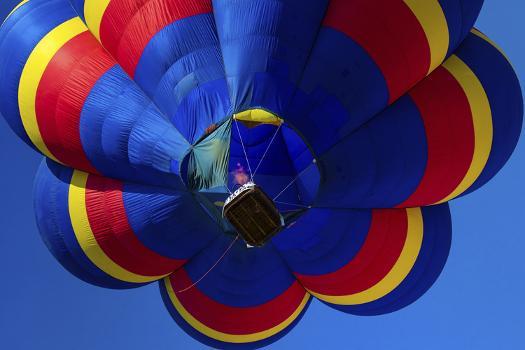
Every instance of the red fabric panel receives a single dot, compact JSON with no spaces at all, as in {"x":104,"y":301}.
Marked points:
{"x":449,"y":128}
{"x":236,"y":320}
{"x":390,"y":33}
{"x":65,"y":86}
{"x":128,"y":25}
{"x":380,"y":251}
{"x":110,"y":226}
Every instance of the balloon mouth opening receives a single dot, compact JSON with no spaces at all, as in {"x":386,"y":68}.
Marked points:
{"x":253,"y":214}
{"x":253,"y":161}
{"x":273,"y":176}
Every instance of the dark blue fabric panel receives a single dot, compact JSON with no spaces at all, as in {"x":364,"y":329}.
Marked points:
{"x":256,"y":141}
{"x":301,"y":157}
{"x":168,"y":222}
{"x":34,"y":19}
{"x":78,"y":5}
{"x":267,"y":39}
{"x":427,"y":268}
{"x":298,"y":151}
{"x":506,"y":102}
{"x":378,"y":166}
{"x":245,"y":277}
{"x":460,"y":15}
{"x":52,"y":216}
{"x":287,"y":157}
{"x":341,"y":89}
{"x":273,"y":89}
{"x":323,"y":240}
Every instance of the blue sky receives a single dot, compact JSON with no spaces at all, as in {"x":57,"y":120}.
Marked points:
{"x":476,"y":304}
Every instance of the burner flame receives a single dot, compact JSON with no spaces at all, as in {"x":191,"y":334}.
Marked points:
{"x":240,"y":177}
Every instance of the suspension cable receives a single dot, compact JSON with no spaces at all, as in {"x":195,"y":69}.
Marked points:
{"x":294,"y":204}
{"x":267,"y":149}
{"x":211,"y":268}
{"x":291,"y":182}
{"x":244,"y":149}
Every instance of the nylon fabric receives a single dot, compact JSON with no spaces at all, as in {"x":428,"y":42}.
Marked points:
{"x":360,"y":119}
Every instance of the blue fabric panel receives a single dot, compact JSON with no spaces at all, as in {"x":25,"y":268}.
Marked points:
{"x":191,"y":40}
{"x":302,"y":160}
{"x":286,"y":157}
{"x":506,"y":102}
{"x":168,"y":222}
{"x":273,"y":185}
{"x":218,"y":344}
{"x":52,"y":216}
{"x":341,"y":89}
{"x":298,"y":151}
{"x":273,"y":89}
{"x":460,"y":15}
{"x":126,"y":137}
{"x":427,"y":268}
{"x":378,"y":166}
{"x":205,"y":105}
{"x":245,"y":277}
{"x":78,"y":5}
{"x":23,"y":21}
{"x":181,"y":69}
{"x":256,"y":140}
{"x":323,"y":240}
{"x":265,"y":43}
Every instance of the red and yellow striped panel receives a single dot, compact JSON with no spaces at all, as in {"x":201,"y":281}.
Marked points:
{"x":64,"y":87}
{"x":234,"y":324}
{"x":55,"y":82}
{"x":125,"y":27}
{"x":432,"y":19}
{"x":458,"y":127}
{"x":32,"y":74}
{"x":103,"y":232}
{"x":406,"y":39}
{"x":385,"y":259}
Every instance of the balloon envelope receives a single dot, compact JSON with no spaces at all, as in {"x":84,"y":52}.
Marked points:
{"x":359,"y":119}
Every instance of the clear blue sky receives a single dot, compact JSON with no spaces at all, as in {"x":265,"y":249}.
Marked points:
{"x":478,"y":302}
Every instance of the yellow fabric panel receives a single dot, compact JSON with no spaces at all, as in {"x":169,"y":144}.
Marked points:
{"x":85,"y":237}
{"x":230,"y":338}
{"x":481,"y":118}
{"x":434,"y":23}
{"x":93,"y":13}
{"x":258,"y":116}
{"x":397,"y":274}
{"x":32,"y":74}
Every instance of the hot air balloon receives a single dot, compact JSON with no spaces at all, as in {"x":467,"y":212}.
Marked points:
{"x":252,"y":154}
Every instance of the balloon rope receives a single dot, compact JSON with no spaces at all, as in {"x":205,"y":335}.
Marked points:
{"x":291,"y":182}
{"x":293,"y":204}
{"x":211,"y":268}
{"x":267,"y":149}
{"x":244,"y":149}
